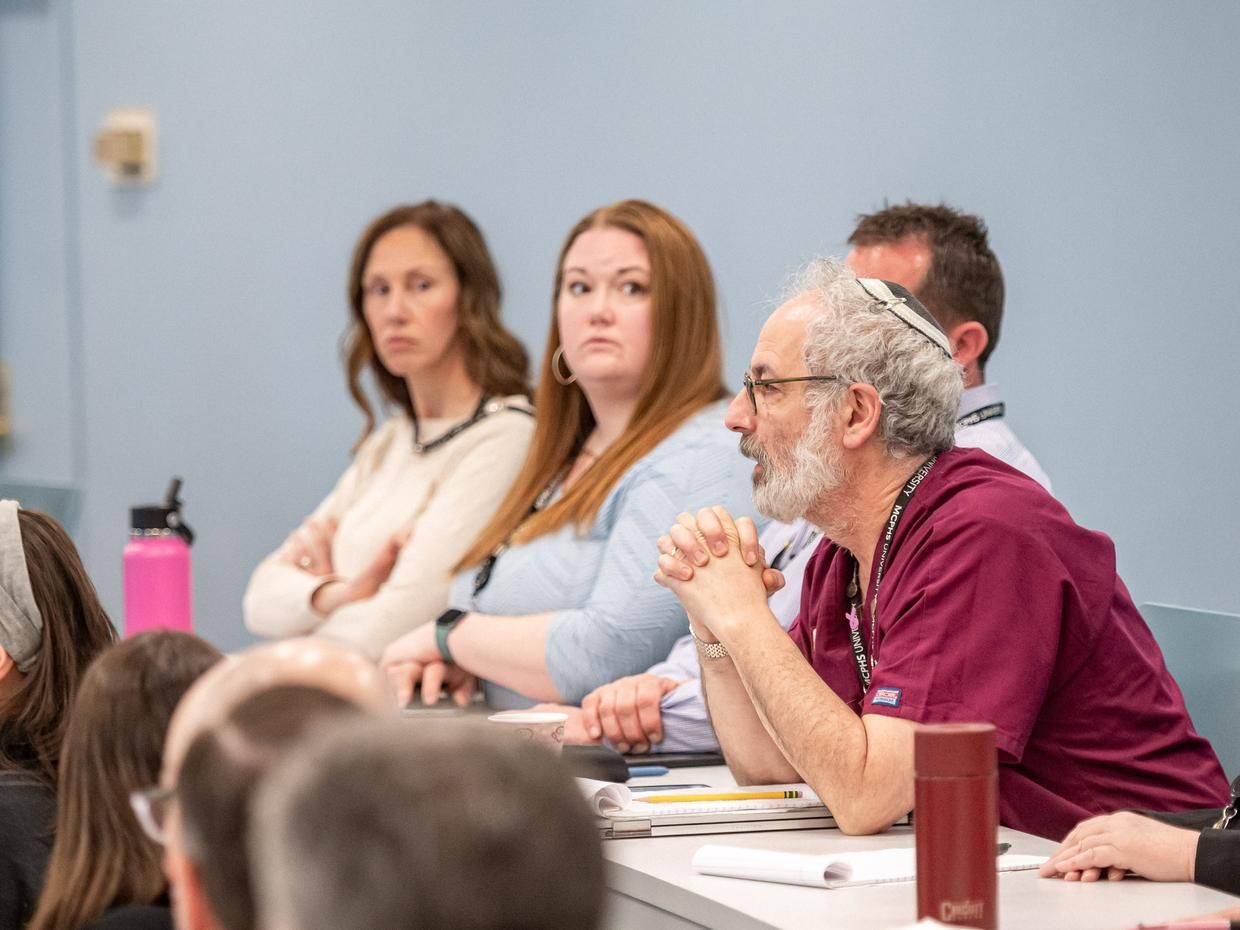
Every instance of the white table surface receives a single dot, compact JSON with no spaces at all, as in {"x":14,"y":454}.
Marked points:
{"x":652,"y":885}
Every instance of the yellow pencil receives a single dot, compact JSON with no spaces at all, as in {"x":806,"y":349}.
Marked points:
{"x":722,"y":796}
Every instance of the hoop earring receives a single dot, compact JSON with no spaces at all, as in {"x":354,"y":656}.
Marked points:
{"x":557,"y":358}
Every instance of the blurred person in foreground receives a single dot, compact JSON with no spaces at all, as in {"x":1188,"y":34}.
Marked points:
{"x":232,"y":725}
{"x":104,"y":871}
{"x":492,"y":834}
{"x":52,"y":627}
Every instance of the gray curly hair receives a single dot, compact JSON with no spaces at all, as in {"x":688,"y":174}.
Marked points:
{"x":857,"y":338}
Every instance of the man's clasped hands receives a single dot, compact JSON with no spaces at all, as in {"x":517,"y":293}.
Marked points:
{"x":715,"y":566}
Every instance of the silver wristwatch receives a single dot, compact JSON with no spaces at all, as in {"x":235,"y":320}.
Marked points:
{"x":708,"y":650}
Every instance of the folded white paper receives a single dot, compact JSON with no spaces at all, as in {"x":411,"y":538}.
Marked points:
{"x":605,"y":797}
{"x":826,"y":871}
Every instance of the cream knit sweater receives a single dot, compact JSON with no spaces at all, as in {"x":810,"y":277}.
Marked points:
{"x":446,"y":495}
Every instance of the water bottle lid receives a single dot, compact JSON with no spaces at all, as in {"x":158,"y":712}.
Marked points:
{"x":152,"y":517}
{"x":954,"y":750}
{"x":165,"y":516}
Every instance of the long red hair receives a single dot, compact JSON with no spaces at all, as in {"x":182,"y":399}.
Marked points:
{"x":684,"y":374}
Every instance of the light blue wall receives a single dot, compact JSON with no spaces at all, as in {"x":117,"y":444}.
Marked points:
{"x":1099,"y":140}
{"x":35,"y":288}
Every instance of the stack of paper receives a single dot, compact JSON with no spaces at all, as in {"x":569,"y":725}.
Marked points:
{"x":607,"y":798}
{"x":623,"y":814}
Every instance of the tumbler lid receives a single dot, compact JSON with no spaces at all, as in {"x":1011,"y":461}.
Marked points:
{"x":954,"y":750}
{"x":150,"y":517}
{"x":165,"y":516}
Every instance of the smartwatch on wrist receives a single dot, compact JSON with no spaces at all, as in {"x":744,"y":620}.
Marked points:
{"x":445,"y":623}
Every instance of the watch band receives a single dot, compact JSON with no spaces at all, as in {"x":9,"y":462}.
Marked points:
{"x":445,"y":623}
{"x":708,"y":650}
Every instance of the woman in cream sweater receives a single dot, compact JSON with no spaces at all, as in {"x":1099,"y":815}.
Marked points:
{"x":375,"y":558}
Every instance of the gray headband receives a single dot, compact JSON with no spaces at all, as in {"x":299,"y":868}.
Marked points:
{"x":21,"y":624}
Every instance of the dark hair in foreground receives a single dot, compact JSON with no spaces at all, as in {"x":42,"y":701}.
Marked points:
{"x":113,"y":746}
{"x":964,"y":281}
{"x":454,"y":827}
{"x":221,"y":769}
{"x":75,"y":630}
{"x":494,"y":357}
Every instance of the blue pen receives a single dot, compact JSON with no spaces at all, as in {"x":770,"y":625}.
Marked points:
{"x":647,"y":771}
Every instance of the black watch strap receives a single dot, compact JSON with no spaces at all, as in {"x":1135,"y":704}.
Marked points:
{"x":445,"y":624}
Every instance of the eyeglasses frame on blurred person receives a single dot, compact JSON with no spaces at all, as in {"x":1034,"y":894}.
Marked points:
{"x":150,"y":807}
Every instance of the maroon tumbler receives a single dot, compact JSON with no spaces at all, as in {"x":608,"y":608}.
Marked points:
{"x":957,"y":823}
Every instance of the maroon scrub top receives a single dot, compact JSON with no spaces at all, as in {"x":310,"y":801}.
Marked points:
{"x":995,"y":606}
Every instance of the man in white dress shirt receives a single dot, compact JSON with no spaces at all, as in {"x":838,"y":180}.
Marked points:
{"x":942,"y":255}
{"x":944,"y":258}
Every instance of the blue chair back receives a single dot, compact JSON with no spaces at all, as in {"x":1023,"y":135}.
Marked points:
{"x":62,"y":503}
{"x":1202,"y":649}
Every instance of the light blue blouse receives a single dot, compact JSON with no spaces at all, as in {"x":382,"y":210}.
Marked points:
{"x":611,"y":619}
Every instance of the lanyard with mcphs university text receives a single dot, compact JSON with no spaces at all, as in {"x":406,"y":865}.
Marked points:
{"x":865,"y":658}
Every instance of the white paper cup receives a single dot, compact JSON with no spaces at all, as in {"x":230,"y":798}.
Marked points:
{"x":546,"y":728}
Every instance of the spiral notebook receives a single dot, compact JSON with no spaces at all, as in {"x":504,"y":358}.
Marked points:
{"x":622,"y":814}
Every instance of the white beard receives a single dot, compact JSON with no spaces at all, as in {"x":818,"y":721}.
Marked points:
{"x":786,"y":491}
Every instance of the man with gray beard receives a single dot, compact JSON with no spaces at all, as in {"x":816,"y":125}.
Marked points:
{"x":943,"y":256}
{"x":949,"y":588}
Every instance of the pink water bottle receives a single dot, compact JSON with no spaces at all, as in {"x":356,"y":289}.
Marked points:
{"x":156,"y":564}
